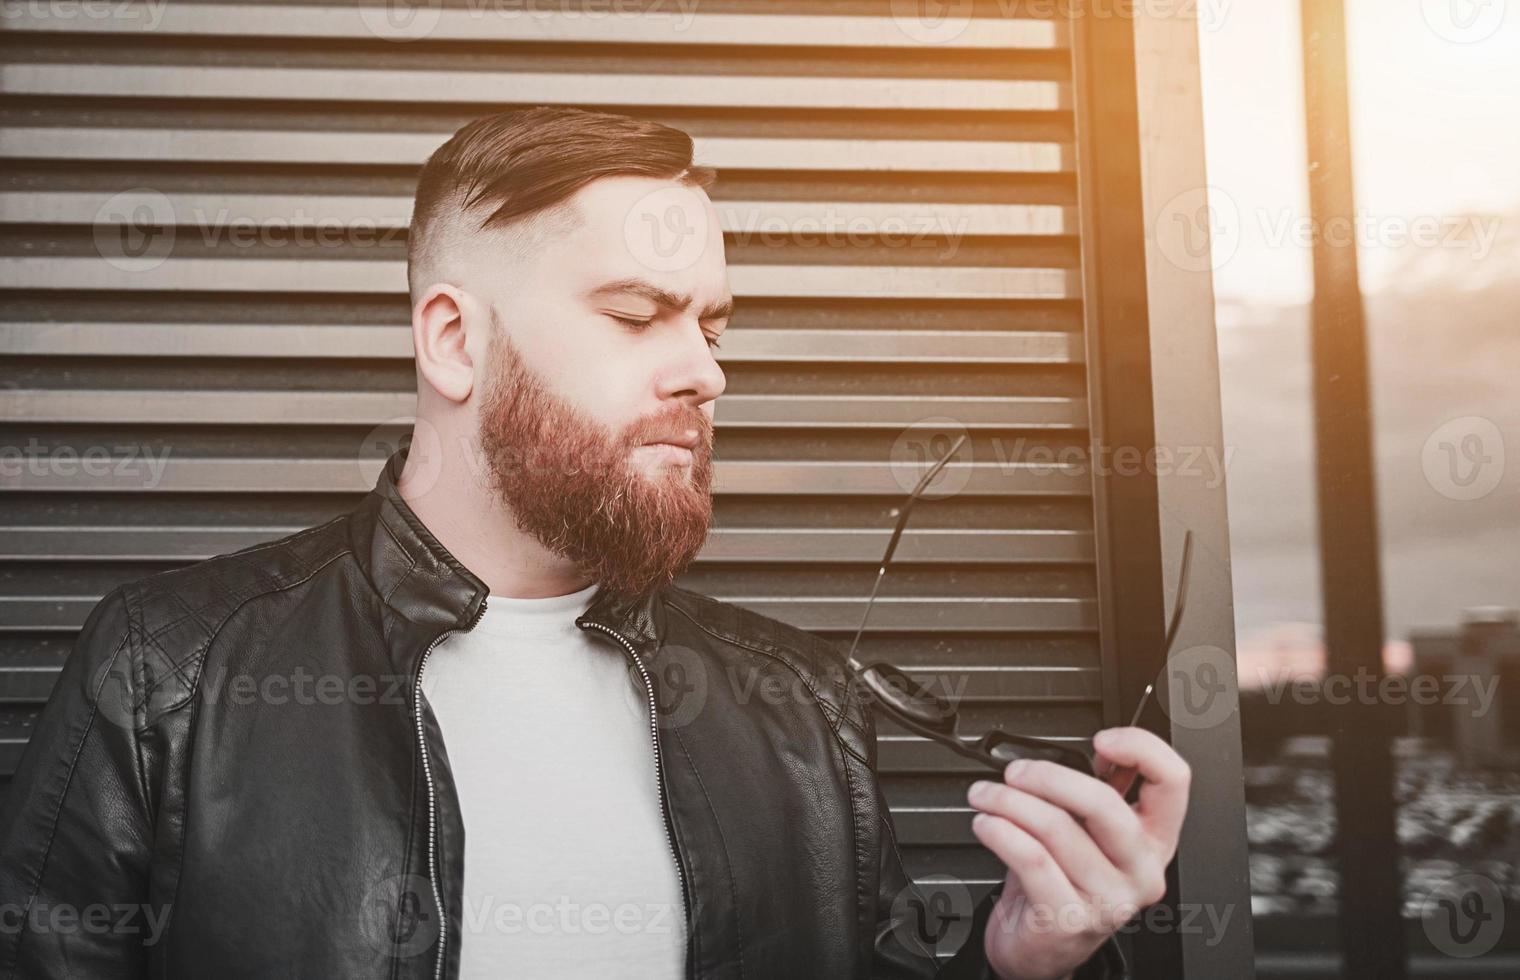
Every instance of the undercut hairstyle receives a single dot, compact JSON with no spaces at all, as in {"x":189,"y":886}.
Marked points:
{"x":517,"y":169}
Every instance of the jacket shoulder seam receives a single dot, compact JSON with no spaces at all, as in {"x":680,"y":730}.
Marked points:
{"x":196,"y":659}
{"x":808,"y":682}
{"x":834,"y":714}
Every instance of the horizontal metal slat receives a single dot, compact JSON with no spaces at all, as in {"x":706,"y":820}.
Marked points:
{"x":213,"y":214}
{"x":500,"y":23}
{"x":889,"y":614}
{"x":896,"y":754}
{"x":26,"y":684}
{"x":934,"y":825}
{"x":781,"y":544}
{"x":911,"y":753}
{"x":163,"y":407}
{"x":252,"y":146}
{"x":159,"y":471}
{"x":31,"y":684}
{"x":82,"y":339}
{"x":311,"y":275}
{"x":338,"y":85}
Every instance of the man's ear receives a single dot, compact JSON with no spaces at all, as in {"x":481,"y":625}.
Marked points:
{"x":440,"y":342}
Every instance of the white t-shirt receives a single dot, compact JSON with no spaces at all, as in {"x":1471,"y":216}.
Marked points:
{"x":568,"y":872}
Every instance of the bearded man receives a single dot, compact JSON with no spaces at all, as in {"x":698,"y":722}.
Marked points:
{"x":479,"y":780}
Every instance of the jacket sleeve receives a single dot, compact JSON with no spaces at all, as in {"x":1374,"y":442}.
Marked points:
{"x":901,"y":948}
{"x":76,"y":821}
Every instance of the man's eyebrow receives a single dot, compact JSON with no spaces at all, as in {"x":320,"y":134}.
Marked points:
{"x":664,"y":297}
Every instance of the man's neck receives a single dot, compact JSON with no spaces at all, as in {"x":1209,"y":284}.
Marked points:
{"x":478,"y":530}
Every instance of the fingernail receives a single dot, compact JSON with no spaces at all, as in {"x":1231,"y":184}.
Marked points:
{"x":1015,"y":768}
{"x":978,"y":791}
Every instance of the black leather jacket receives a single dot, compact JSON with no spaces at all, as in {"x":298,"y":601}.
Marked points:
{"x":236,"y":777}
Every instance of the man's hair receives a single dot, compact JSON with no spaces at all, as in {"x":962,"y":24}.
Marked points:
{"x":521,"y":165}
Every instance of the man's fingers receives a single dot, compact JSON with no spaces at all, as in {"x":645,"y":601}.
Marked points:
{"x":1164,"y":796}
{"x":1085,"y":864}
{"x":1040,"y":878}
{"x":1107,"y":818}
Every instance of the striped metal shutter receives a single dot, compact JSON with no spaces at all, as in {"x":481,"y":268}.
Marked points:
{"x":900,"y":200}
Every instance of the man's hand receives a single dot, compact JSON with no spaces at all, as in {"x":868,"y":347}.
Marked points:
{"x":1081,"y":862}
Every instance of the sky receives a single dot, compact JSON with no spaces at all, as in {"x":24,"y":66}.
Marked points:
{"x":1435,"y":88}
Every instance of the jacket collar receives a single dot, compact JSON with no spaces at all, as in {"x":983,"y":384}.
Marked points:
{"x":417,"y":577}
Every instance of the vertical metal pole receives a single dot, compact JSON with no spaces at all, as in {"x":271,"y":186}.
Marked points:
{"x":1371,"y":927}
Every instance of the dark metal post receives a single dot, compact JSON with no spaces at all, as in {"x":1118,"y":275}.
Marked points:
{"x":1372,"y":937}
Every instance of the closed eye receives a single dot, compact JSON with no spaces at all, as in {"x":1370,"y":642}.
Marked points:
{"x":641,"y":324}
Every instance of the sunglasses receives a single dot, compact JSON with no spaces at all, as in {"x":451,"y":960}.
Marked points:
{"x":913,"y":706}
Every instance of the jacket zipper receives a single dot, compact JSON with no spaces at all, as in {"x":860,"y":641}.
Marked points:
{"x":427,"y":775}
{"x":654,"y":739}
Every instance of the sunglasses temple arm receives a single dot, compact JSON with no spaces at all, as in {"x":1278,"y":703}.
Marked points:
{"x":850,"y":659}
{"x":1171,"y":627}
{"x":1171,"y":638}
{"x":902,"y":522}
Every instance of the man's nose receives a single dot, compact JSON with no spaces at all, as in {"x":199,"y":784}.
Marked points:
{"x":698,"y":376}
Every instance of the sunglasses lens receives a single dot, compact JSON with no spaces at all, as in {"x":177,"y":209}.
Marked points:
{"x":898,"y":691}
{"x":1008,"y":748}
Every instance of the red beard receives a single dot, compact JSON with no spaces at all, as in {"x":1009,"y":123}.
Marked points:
{"x":578,"y":489}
